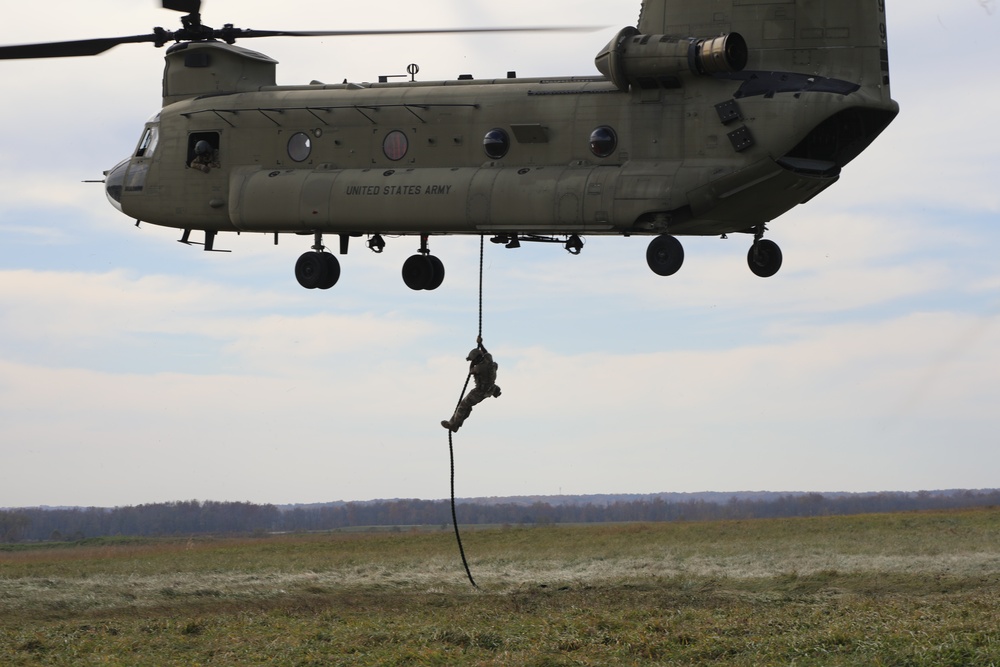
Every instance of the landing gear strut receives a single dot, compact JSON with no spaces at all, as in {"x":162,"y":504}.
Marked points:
{"x":423,"y":271}
{"x":317,"y":269}
{"x":764,"y":257}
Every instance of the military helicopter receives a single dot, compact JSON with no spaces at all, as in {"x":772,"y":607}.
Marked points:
{"x":709,"y":117}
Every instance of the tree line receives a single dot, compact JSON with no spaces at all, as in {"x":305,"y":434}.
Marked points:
{"x":195,"y":517}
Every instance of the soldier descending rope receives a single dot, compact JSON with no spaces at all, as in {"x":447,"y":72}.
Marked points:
{"x":483,"y":370}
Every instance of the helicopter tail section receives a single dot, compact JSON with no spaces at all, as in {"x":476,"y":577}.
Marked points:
{"x":808,"y":88}
{"x":836,"y":39}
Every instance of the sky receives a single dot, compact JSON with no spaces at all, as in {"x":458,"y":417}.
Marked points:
{"x":134,"y":369}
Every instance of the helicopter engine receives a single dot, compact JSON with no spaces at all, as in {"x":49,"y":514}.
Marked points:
{"x":655,"y":61}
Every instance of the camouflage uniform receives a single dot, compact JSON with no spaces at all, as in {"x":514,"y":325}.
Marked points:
{"x":484,"y":371}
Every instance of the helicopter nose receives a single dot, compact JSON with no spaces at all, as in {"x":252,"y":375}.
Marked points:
{"x":114,"y":183}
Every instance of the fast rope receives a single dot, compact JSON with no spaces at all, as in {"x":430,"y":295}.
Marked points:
{"x":454,"y":516}
{"x":451,"y":431}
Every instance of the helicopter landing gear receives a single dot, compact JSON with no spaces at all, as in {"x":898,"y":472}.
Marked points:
{"x":423,"y":271}
{"x":665,"y":255}
{"x":764,"y":257}
{"x":317,"y":269}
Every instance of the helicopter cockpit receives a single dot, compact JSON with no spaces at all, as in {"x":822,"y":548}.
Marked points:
{"x":130,"y":173}
{"x":150,"y":137}
{"x":114,"y":183}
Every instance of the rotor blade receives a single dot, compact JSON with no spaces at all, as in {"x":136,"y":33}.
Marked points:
{"x":429,"y":31}
{"x":93,"y":47}
{"x":83,"y":47}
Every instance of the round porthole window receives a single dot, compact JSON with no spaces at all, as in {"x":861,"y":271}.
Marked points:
{"x":299,"y":147}
{"x":395,"y":145}
{"x":496,"y":143}
{"x":603,"y":141}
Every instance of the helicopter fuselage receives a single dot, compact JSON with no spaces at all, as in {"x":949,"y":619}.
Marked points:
{"x":404,"y":158}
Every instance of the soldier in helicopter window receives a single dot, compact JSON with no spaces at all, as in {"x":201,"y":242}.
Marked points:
{"x":483,"y":370}
{"x":206,"y":157}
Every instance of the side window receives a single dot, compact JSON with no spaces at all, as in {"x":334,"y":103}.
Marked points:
{"x":212,"y":138}
{"x":147,"y":145}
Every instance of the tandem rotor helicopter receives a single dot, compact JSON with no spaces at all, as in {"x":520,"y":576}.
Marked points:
{"x":710,"y":117}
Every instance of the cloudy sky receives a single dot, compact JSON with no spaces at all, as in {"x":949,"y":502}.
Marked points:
{"x":134,"y":369}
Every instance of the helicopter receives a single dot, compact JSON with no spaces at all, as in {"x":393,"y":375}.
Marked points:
{"x":707,"y":118}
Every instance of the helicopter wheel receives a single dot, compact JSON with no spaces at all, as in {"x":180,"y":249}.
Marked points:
{"x":423,"y":272}
{"x":317,"y":270}
{"x":665,"y":255}
{"x":437,"y":266}
{"x":332,"y":270}
{"x":764,"y":258}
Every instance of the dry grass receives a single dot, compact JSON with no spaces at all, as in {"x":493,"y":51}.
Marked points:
{"x":913,"y":589}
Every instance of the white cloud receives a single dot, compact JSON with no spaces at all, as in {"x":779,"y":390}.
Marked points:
{"x":133,"y":369}
{"x":722,"y":411}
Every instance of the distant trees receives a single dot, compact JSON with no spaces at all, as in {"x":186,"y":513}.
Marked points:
{"x":13,"y":525}
{"x":194,"y":517}
{"x":189,"y":517}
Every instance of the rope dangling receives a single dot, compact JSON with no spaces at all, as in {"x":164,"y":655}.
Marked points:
{"x":483,"y":369}
{"x":454,"y":515}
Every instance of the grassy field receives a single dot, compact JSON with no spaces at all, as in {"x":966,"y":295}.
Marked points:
{"x":904,"y":589}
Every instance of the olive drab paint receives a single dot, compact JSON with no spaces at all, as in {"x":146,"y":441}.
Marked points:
{"x":708,"y":117}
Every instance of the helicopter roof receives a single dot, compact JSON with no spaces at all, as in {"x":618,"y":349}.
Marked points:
{"x":215,"y":44}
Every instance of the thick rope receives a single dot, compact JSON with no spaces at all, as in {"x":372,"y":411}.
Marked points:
{"x":481,"y":253}
{"x":451,"y":446}
{"x":454,"y":516}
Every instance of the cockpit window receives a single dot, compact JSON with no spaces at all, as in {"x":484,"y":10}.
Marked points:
{"x":148,"y":142}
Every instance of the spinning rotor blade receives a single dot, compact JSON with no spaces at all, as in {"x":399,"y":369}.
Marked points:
{"x":93,"y":47}
{"x":83,"y":47}
{"x":194,"y":31}
{"x":375,"y":33}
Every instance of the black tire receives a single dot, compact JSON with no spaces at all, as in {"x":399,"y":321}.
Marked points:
{"x":764,"y":258}
{"x":665,"y":255}
{"x":418,"y":272}
{"x":311,"y":270}
{"x":438,"y":276}
{"x":332,"y":269}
